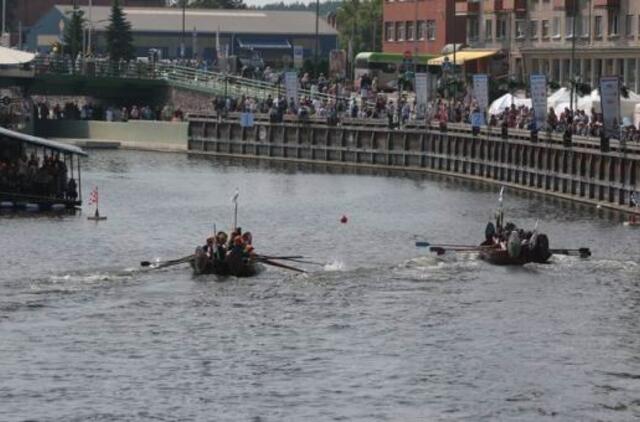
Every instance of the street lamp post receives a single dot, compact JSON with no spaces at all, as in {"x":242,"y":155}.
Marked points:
{"x":572,"y":80}
{"x":4,"y":16}
{"x":315,"y":50}
{"x":184,"y":20}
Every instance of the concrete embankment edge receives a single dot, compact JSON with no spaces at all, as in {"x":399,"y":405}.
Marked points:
{"x":137,"y":134}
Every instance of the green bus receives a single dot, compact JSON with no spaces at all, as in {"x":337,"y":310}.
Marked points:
{"x":387,"y":67}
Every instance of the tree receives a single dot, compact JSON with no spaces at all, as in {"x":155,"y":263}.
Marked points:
{"x":119,"y":37}
{"x":73,"y":32}
{"x":359,"y":23}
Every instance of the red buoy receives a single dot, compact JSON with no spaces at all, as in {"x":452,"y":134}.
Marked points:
{"x":344,"y":219}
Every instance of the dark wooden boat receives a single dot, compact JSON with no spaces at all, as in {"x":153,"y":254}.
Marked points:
{"x":516,"y":251}
{"x":234,"y":265}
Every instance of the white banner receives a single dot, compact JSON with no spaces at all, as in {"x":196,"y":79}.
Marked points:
{"x":481,"y":91}
{"x":291,"y":86}
{"x":610,"y":102}
{"x":422,"y":94}
{"x":538,"y":87}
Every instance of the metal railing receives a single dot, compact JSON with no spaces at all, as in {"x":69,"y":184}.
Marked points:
{"x":205,"y":81}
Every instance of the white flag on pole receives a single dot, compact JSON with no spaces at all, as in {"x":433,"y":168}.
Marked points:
{"x":500,"y":197}
{"x":235,"y":196}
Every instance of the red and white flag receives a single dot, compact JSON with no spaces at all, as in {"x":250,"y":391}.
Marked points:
{"x":93,"y":198}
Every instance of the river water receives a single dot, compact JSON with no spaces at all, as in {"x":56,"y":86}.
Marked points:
{"x":381,"y":332}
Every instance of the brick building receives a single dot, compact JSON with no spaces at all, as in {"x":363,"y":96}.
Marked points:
{"x":538,"y":36}
{"x":421,"y":26}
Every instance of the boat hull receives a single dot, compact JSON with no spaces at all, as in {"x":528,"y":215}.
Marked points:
{"x":501,"y":257}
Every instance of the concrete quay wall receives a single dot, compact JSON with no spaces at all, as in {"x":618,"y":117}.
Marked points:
{"x":580,"y":172}
{"x":135,"y":134}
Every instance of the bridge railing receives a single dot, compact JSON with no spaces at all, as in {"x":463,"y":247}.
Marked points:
{"x":183,"y":76}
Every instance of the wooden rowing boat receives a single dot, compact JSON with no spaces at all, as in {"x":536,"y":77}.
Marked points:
{"x":518,"y":252}
{"x":234,"y":265}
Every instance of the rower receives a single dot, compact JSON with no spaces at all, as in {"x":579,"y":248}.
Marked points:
{"x":209,"y":247}
{"x":236,"y":233}
{"x":221,"y":241}
{"x":237,"y":248}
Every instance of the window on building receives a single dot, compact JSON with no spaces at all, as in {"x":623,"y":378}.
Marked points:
{"x":422,"y":29}
{"x":410,"y":31}
{"x":389,"y":30}
{"x":431,"y":30}
{"x":628,"y":26}
{"x":631,"y":73}
{"x":568,"y":30}
{"x":399,"y":31}
{"x":533,"y":30}
{"x":545,"y":28}
{"x":520,"y":29}
{"x":597,"y":26}
{"x":556,"y":27}
{"x":613,"y":24}
{"x":585,"y":24}
{"x":501,"y":27}
{"x":488,"y":30}
{"x":473,"y":30}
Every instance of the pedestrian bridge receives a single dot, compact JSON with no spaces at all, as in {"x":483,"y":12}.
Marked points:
{"x":105,"y":79}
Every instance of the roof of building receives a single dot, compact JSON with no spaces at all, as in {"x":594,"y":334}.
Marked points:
{"x":35,"y":140}
{"x":147,"y":19}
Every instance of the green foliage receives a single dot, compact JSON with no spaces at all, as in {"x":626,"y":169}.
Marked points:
{"x":323,"y":66}
{"x":119,"y":38}
{"x":553,"y":85}
{"x":624,"y":91}
{"x":217,"y":4}
{"x":73,"y":32}
{"x":326,"y":7}
{"x":583,"y":89}
{"x":360,"y":22}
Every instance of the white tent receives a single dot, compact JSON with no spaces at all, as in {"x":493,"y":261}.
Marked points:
{"x":504,"y":102}
{"x":11,"y":57}
{"x":560,"y":97}
{"x":627,"y":105}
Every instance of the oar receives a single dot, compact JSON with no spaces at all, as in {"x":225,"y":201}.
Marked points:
{"x":290,"y":258}
{"x":280,"y":257}
{"x":169,"y":263}
{"x":277,"y":264}
{"x":441,"y":250}
{"x":582,"y":252}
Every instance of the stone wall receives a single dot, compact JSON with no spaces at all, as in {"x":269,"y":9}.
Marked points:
{"x":581,"y":172}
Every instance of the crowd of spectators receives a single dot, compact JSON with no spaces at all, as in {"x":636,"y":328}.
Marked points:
{"x":71,"y":110}
{"x":27,"y":175}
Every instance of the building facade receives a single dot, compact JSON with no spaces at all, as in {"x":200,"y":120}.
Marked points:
{"x":420,"y":26}
{"x":28,"y":12}
{"x":592,"y":37}
{"x":272,"y":34}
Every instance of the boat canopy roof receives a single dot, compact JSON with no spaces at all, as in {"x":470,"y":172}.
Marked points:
{"x":35,"y":140}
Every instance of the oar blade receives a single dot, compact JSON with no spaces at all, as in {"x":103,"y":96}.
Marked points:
{"x":279,"y":265}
